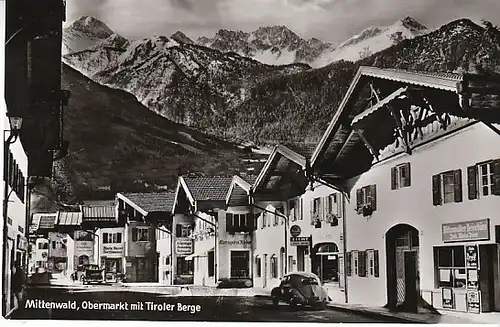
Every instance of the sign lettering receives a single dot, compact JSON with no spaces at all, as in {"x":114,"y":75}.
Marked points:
{"x":466,"y":231}
{"x":184,"y":246}
{"x":300,"y":241}
{"x":113,"y":249}
{"x":235,"y":242}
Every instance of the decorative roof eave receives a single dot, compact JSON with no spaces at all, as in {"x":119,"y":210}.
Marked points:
{"x":181,"y":183}
{"x":237,"y":181}
{"x":132,"y":204}
{"x":448,"y":82}
{"x":285,"y":152}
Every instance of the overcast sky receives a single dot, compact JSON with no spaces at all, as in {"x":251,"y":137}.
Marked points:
{"x":332,"y":20}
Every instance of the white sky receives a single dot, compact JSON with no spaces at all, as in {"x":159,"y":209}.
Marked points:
{"x":332,"y":20}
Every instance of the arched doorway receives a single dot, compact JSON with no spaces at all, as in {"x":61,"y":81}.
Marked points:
{"x":403,"y":282}
{"x":325,"y":262}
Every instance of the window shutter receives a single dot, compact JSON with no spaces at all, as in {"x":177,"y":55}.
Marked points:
{"x":311,"y":211}
{"x":436,"y":190}
{"x":495,"y":169}
{"x":118,"y":237}
{"x":348,"y":263}
{"x":472,"y":182}
{"x":362,"y":263}
{"x":393,"y":178}
{"x":178,"y":230}
{"x":375,"y":263}
{"x":457,"y":183}
{"x":134,"y":234}
{"x":373,"y":196}
{"x":359,"y":198}
{"x":105,"y":238}
{"x":408,"y":174}
{"x":229,"y":223}
{"x":301,"y":209}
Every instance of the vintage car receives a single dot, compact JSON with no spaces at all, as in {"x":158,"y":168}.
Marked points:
{"x":300,"y":288}
{"x":92,"y":274}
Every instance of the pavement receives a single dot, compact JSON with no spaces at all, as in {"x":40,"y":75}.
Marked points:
{"x":336,"y":303}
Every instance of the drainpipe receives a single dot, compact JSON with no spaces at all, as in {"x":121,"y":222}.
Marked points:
{"x":344,"y":244}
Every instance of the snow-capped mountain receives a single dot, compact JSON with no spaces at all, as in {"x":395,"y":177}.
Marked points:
{"x":83,"y":33}
{"x":184,"y":82}
{"x":372,"y":40}
{"x":278,"y":45}
{"x":272,"y":45}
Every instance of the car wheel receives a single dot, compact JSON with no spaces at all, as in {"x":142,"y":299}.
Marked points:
{"x":276,"y":300}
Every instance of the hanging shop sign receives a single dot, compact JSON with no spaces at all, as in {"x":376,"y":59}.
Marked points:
{"x":184,"y":246}
{"x":22,"y":243}
{"x":295,"y":230}
{"x":447,"y":296}
{"x":466,"y":231}
{"x":300,"y":241}
{"x":471,"y":256}
{"x":473,"y":303}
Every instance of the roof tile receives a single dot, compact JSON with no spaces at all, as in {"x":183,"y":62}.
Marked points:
{"x":208,"y":188}
{"x":153,"y":202}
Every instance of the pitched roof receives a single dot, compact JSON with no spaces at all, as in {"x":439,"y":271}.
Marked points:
{"x":151,"y":202}
{"x":208,"y":188}
{"x":70,"y":218}
{"x":250,"y":179}
{"x":47,"y":220}
{"x":305,"y":149}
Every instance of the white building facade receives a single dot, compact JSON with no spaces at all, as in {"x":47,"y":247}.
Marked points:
{"x":441,"y":214}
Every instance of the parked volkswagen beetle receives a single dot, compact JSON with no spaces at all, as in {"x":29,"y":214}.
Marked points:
{"x":300,"y":288}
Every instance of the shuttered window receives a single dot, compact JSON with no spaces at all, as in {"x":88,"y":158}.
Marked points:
{"x":375,"y":263}
{"x":483,"y":179}
{"x":447,"y":187}
{"x":366,"y":196}
{"x":400,"y":176}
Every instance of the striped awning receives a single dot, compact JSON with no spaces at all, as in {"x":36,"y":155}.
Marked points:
{"x":70,"y":218}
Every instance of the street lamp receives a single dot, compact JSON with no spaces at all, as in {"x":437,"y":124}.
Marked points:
{"x":15,"y":129}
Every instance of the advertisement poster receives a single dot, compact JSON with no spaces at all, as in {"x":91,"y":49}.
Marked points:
{"x":471,"y":256}
{"x":472,"y":279}
{"x":473,"y":302}
{"x":447,"y":298}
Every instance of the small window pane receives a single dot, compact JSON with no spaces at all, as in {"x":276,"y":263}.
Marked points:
{"x":459,"y":256}
{"x":445,"y":257}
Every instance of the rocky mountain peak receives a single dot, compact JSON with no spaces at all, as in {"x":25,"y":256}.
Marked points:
{"x":181,"y":37}
{"x":412,"y":24}
{"x":91,"y":26}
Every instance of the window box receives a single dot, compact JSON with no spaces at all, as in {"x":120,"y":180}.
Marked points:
{"x":366,"y":200}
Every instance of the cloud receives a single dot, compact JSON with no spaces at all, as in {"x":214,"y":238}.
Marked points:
{"x":333,"y":20}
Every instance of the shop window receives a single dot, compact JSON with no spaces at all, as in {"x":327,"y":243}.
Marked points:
{"x":274,"y":266}
{"x":211,"y":263}
{"x":240,"y":264}
{"x":258,"y":266}
{"x":483,"y":179}
{"x":400,"y":176}
{"x":183,"y":230}
{"x":366,"y":200}
{"x":184,"y":267}
{"x":111,"y":238}
{"x":447,"y":187}
{"x":450,"y":270}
